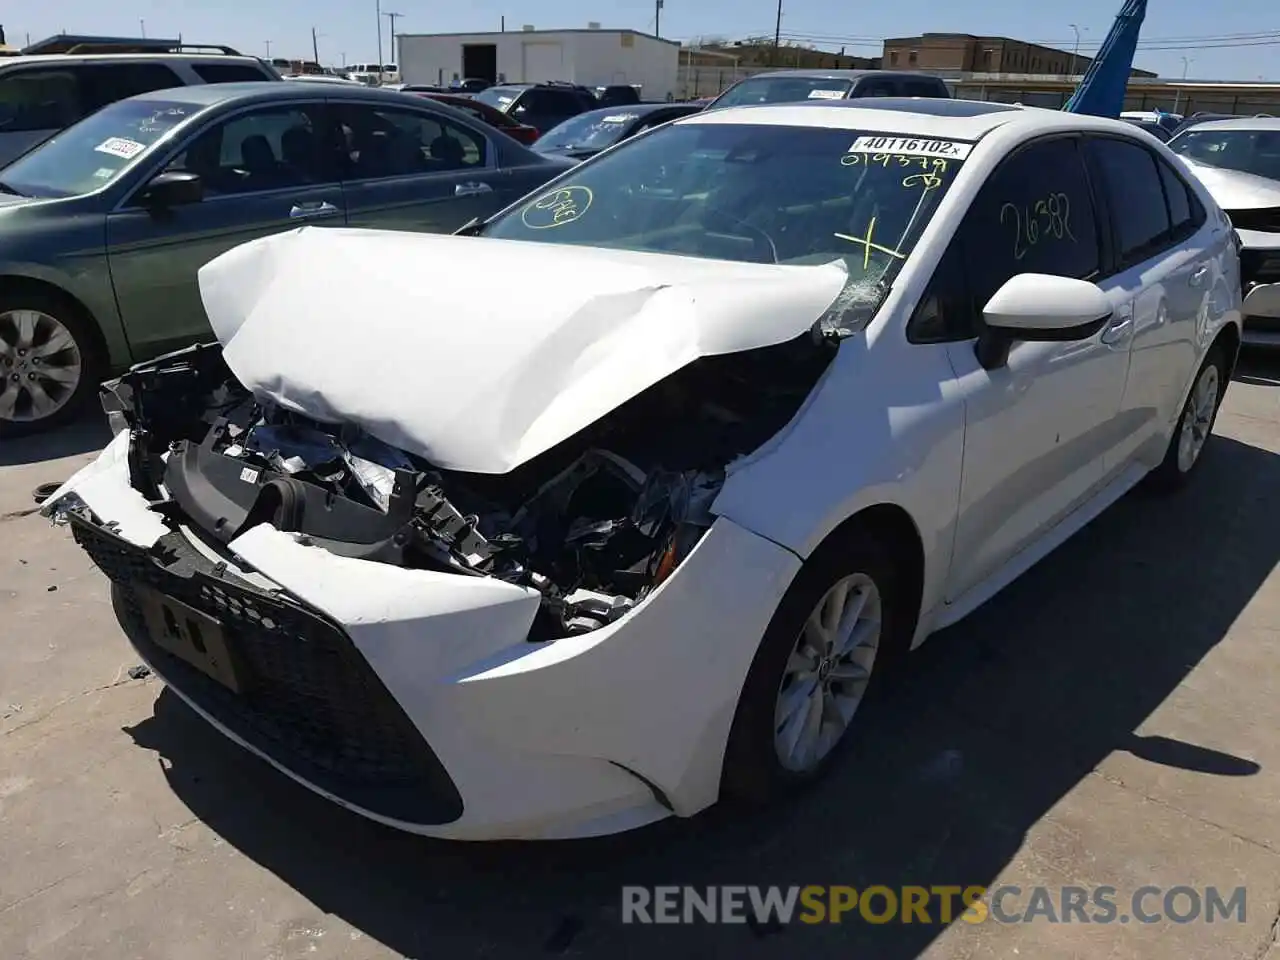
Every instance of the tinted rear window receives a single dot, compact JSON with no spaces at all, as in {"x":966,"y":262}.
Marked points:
{"x":228,"y":73}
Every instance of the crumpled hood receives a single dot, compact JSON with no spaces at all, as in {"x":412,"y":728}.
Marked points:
{"x":1233,"y":190}
{"x":479,"y":354}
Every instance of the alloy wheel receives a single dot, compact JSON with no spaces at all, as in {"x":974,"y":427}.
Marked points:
{"x":1197,"y":421}
{"x":827,"y":673}
{"x":40,"y":365}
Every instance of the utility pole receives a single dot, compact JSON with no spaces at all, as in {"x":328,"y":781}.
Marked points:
{"x":657,"y":18}
{"x":268,"y":49}
{"x":1177,"y":94}
{"x":1075,"y":51}
{"x":142,"y":25}
{"x":315,"y":45}
{"x":777,"y":34}
{"x":393,"y":17}
{"x":377,"y":10}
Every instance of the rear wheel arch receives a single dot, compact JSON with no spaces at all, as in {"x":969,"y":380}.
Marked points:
{"x":1228,"y":339}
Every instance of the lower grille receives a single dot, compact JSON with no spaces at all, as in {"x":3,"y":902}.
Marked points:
{"x":309,"y":699}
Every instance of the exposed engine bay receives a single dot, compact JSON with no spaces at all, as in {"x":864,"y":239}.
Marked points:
{"x":593,"y":524}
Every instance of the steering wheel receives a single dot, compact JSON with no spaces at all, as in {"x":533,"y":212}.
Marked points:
{"x":763,"y":242}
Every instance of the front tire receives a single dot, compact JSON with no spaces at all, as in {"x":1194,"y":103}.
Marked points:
{"x":826,"y":650}
{"x":1191,"y":437}
{"x":49,"y":360}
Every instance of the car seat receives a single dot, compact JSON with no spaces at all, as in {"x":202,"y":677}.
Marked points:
{"x":448,"y":152}
{"x":299,"y":151}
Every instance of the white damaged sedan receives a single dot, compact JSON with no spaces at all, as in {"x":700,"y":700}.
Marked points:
{"x":767,"y":396}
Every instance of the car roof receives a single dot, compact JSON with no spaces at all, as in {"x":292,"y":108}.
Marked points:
{"x":208,"y":94}
{"x":1238,"y":123}
{"x":820,"y":74}
{"x":916,"y":116}
{"x":55,"y":59}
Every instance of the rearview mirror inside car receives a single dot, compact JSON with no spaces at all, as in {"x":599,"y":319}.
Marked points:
{"x":173,"y":188}
{"x":1041,"y":307}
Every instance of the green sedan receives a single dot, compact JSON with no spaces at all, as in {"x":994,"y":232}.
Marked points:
{"x":103,"y":228}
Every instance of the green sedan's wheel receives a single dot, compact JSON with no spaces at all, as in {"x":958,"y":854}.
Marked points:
{"x":47,"y":363}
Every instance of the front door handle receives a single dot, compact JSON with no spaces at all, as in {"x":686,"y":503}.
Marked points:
{"x":309,"y":211}
{"x":471,"y":189}
{"x":1197,"y":278}
{"x":1118,"y":328}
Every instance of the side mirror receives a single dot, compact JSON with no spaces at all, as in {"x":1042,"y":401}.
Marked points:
{"x":173,"y":188}
{"x":1039,"y":307}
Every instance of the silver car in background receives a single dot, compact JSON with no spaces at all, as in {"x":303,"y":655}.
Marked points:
{"x":1239,"y":162}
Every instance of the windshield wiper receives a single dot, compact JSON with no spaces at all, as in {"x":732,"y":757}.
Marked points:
{"x":471,"y":228}
{"x":5,"y":188}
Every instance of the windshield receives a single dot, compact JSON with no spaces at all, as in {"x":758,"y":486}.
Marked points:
{"x":94,"y":152}
{"x":500,"y":97}
{"x":753,"y":193}
{"x":783,"y":90}
{"x":1247,"y":151}
{"x":587,"y":131}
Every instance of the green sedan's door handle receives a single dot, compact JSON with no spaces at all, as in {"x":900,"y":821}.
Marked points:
{"x":309,"y":211}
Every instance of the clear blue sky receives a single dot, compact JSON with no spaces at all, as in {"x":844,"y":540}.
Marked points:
{"x":1248,"y":30}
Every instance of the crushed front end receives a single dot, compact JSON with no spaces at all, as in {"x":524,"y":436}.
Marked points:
{"x":409,"y":641}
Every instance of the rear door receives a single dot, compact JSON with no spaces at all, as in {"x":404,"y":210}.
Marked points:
{"x":412,"y":168}
{"x":1163,"y":274}
{"x":265,"y":169}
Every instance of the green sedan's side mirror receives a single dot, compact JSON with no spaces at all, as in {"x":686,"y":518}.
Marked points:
{"x":173,"y":188}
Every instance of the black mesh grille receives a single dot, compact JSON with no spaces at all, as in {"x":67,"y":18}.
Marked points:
{"x":309,"y":699}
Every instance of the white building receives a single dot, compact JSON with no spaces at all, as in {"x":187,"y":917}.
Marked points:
{"x":591,"y":57}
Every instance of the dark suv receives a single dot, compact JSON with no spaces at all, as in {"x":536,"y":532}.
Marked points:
{"x":539,"y":105}
{"x":790,"y":86}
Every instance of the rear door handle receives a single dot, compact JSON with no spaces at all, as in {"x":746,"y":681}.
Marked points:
{"x":309,"y":211}
{"x":471,"y":189}
{"x":1197,"y":278}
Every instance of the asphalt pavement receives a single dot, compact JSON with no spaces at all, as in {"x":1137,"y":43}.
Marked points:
{"x":1111,"y":719}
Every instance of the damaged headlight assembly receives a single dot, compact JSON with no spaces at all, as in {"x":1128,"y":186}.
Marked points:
{"x":593,"y":538}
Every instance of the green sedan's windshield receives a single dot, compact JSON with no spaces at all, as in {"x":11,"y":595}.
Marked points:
{"x":748,"y":192}
{"x":92,"y":153}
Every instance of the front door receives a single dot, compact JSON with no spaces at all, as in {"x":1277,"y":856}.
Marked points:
{"x":412,"y":168}
{"x":1039,"y":429}
{"x":264,"y":170}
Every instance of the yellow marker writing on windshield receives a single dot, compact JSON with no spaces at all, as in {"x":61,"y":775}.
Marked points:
{"x":868,"y":245}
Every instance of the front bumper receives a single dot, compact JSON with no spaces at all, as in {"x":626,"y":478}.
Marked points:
{"x":413,"y":697}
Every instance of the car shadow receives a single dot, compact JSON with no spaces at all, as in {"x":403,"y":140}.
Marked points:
{"x":991,"y":724}
{"x":84,"y":435}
